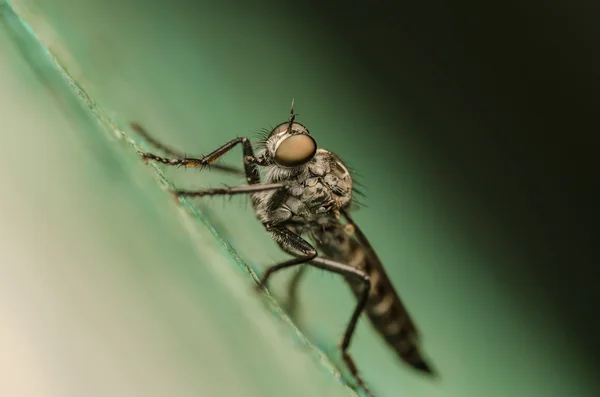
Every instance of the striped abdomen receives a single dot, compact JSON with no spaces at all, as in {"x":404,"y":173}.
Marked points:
{"x":387,"y":313}
{"x":384,"y":308}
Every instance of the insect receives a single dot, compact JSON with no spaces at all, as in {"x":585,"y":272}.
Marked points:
{"x":307,"y":194}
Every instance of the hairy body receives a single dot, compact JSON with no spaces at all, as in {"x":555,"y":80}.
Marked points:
{"x":307,"y":191}
{"x":316,"y":193}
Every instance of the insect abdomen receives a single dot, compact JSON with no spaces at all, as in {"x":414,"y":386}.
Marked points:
{"x":388,"y":315}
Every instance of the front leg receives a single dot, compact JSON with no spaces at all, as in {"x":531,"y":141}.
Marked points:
{"x":230,"y":190}
{"x":175,"y":153}
{"x":250,"y":161}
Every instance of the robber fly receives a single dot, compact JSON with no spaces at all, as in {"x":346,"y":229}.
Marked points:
{"x":307,"y":192}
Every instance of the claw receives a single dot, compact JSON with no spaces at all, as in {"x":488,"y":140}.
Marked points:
{"x":174,"y":194}
{"x":145,"y":156}
{"x":261,"y":287}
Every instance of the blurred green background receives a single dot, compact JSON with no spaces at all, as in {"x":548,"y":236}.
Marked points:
{"x":447,"y":115}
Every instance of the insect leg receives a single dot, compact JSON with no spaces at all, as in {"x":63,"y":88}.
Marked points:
{"x":291,"y":304}
{"x":250,"y":161}
{"x":293,"y":245}
{"x":229,"y":190}
{"x":299,"y":247}
{"x":153,"y":142}
{"x":349,"y":272}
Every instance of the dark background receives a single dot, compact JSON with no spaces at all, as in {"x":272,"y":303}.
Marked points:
{"x":504,"y":97}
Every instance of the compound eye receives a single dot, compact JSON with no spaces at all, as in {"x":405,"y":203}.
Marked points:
{"x":295,"y":150}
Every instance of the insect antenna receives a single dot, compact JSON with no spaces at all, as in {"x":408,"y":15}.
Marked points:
{"x":292,"y":117}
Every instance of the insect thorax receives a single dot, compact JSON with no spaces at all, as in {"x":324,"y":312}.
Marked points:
{"x":316,"y":193}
